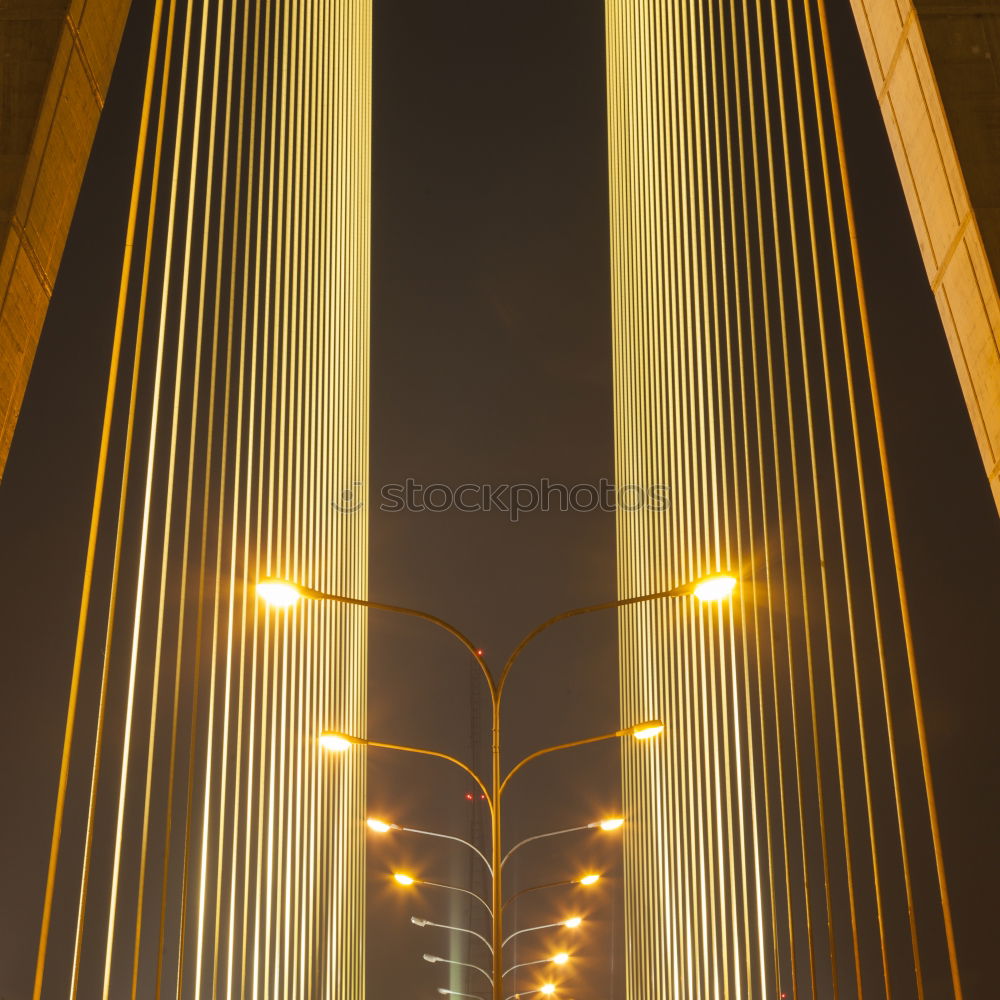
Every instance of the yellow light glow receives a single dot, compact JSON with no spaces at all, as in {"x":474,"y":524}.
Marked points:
{"x":278,"y":593}
{"x":378,"y":825}
{"x":715,"y":588}
{"x":403,"y":879}
{"x":589,"y":879}
{"x":548,"y":988}
{"x":334,"y":742}
{"x":573,"y":922}
{"x":647,"y":730}
{"x":561,"y":959}
{"x":613,"y":823}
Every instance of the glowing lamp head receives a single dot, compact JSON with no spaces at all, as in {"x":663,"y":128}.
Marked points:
{"x":420,"y":922}
{"x":715,"y":588}
{"x":573,"y":922}
{"x":431,"y":958}
{"x":403,"y":879}
{"x":278,"y":593}
{"x":548,"y":988}
{"x":561,"y":959}
{"x":380,"y":826}
{"x":589,"y":879}
{"x":334,"y":742}
{"x":647,"y":730}
{"x":612,"y":823}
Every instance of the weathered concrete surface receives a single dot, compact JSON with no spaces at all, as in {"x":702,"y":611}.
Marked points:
{"x":56,"y":58}
{"x":936,"y":68}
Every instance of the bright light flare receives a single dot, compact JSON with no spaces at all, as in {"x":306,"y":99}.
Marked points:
{"x":403,"y":879}
{"x":548,"y":988}
{"x":612,"y":823}
{"x":715,"y":588}
{"x":379,"y":825}
{"x":334,"y":742}
{"x":573,"y":922}
{"x":647,"y":730}
{"x":561,"y":959}
{"x":589,"y":879}
{"x":278,"y":593}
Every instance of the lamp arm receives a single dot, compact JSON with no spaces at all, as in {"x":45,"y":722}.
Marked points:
{"x":533,"y":888}
{"x":461,"y":930}
{"x":525,"y":930}
{"x":617,"y":734}
{"x":522,"y":965}
{"x":319,"y":595}
{"x":448,"y":836}
{"x":457,"y":888}
{"x":541,"y":836}
{"x":428,"y":753}
{"x":605,"y":606}
{"x":467,"y":965}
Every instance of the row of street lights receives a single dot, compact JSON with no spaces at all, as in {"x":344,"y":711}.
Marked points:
{"x":284,"y":594}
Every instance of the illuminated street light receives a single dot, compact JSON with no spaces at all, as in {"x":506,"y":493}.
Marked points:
{"x":278,"y":593}
{"x":381,"y":826}
{"x":605,"y":825}
{"x":714,"y":588}
{"x":402,"y":878}
{"x":284,"y":593}
{"x":647,"y":730}
{"x":572,"y":923}
{"x":335,"y":742}
{"x":560,"y":959}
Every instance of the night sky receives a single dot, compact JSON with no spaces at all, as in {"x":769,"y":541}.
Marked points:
{"x":491,"y":363}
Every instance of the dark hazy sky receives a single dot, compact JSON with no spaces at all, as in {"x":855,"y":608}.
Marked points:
{"x":491,"y":363}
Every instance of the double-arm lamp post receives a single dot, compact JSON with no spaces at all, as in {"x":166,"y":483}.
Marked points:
{"x":284,"y":594}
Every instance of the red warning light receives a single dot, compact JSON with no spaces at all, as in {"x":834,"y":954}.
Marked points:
{"x":479,"y":652}
{"x":468,"y":796}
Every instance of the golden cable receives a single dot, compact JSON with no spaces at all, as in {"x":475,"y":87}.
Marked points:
{"x":88,"y":573}
{"x":891,"y":514}
{"x":155,"y":40}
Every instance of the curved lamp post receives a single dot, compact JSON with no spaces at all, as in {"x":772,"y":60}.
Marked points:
{"x":572,"y":924}
{"x":284,"y":594}
{"x":450,"y":961}
{"x":380,"y":826}
{"x":605,"y":825}
{"x":420,"y":922}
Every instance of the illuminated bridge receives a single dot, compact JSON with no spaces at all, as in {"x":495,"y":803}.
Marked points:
{"x":782,"y":836}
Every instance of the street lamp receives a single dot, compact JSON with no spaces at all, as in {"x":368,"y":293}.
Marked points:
{"x":605,"y":825}
{"x":284,"y":594}
{"x":421,"y":922}
{"x":404,"y":879}
{"x":572,"y":923}
{"x":450,"y":961}
{"x":560,"y":959}
{"x":547,"y":989}
{"x":381,"y":826}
